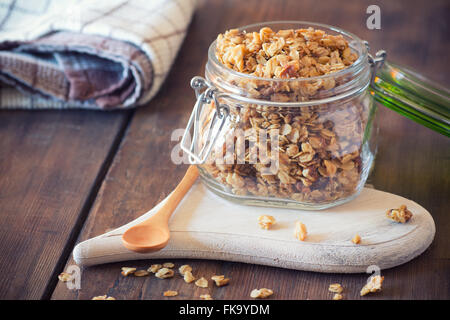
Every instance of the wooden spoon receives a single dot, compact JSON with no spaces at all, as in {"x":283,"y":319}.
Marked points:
{"x":153,"y":234}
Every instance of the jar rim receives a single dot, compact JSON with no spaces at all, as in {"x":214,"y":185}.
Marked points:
{"x":354,"y":67}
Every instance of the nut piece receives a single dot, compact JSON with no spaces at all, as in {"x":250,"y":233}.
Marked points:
{"x":356,"y":239}
{"x":220,"y":280}
{"x":202,"y":283}
{"x":127,"y":271}
{"x":261,"y":293}
{"x":188,"y":277}
{"x":154,"y":268}
{"x":141,"y":273}
{"x":105,"y":297}
{"x":170,"y":293}
{"x":64,"y":277}
{"x":336,"y":288}
{"x":265,"y":221}
{"x":206,"y":297}
{"x":184,"y":268}
{"x":300,"y":231}
{"x":337,"y":296}
{"x":373,"y":285}
{"x":401,"y":215}
{"x":164,"y":273}
{"x":168,"y":265}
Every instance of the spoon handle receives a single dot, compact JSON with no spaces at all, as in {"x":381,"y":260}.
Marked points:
{"x":178,"y":194}
{"x":153,"y":233}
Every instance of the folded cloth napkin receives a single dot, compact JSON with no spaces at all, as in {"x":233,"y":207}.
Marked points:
{"x":102,"y":54}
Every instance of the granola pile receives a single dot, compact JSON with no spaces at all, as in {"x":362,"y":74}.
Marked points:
{"x":290,"y":53}
{"x":319,"y":146}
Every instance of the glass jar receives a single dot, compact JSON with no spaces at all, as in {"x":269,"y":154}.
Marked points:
{"x":306,"y":143}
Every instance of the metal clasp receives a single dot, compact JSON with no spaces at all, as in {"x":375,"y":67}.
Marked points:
{"x":198,"y":150}
{"x":375,"y":62}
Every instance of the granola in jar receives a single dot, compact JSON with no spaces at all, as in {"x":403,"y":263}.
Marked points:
{"x":299,"y":117}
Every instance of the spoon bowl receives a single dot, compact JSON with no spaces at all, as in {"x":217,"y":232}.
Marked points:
{"x":146,"y":238}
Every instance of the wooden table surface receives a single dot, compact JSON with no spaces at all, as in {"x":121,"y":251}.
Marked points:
{"x":66,"y":176}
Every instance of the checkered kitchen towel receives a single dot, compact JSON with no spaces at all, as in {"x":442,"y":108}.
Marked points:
{"x":100,"y":54}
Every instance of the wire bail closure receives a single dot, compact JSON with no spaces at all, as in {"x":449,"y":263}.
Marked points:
{"x":375,"y":62}
{"x":196,"y":149}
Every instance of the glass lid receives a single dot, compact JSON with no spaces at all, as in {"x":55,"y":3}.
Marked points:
{"x":413,"y":96}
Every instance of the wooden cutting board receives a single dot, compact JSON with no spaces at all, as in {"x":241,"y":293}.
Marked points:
{"x":205,"y":226}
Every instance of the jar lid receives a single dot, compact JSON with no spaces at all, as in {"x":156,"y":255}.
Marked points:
{"x":413,"y":96}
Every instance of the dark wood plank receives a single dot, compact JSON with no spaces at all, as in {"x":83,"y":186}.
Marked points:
{"x":50,"y":162}
{"x":412,"y":161}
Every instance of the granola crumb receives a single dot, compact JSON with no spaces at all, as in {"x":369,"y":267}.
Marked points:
{"x":170,"y":293}
{"x":401,"y":215}
{"x":220,"y":280}
{"x":141,"y":273}
{"x":356,"y":239}
{"x":373,"y":285}
{"x":202,"y":283}
{"x":337,"y":296}
{"x":300,"y":231}
{"x":261,"y":293}
{"x":64,"y":277}
{"x":266,"y":221}
{"x":336,"y":288}
{"x":205,"y":297}
{"x":105,"y":297}
{"x":164,"y":273}
{"x":188,"y":277}
{"x":127,"y":271}
{"x":154,"y":268}
{"x":184,"y":268}
{"x":168,"y":265}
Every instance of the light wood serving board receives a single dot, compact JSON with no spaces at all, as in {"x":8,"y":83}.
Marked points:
{"x":205,"y":226}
